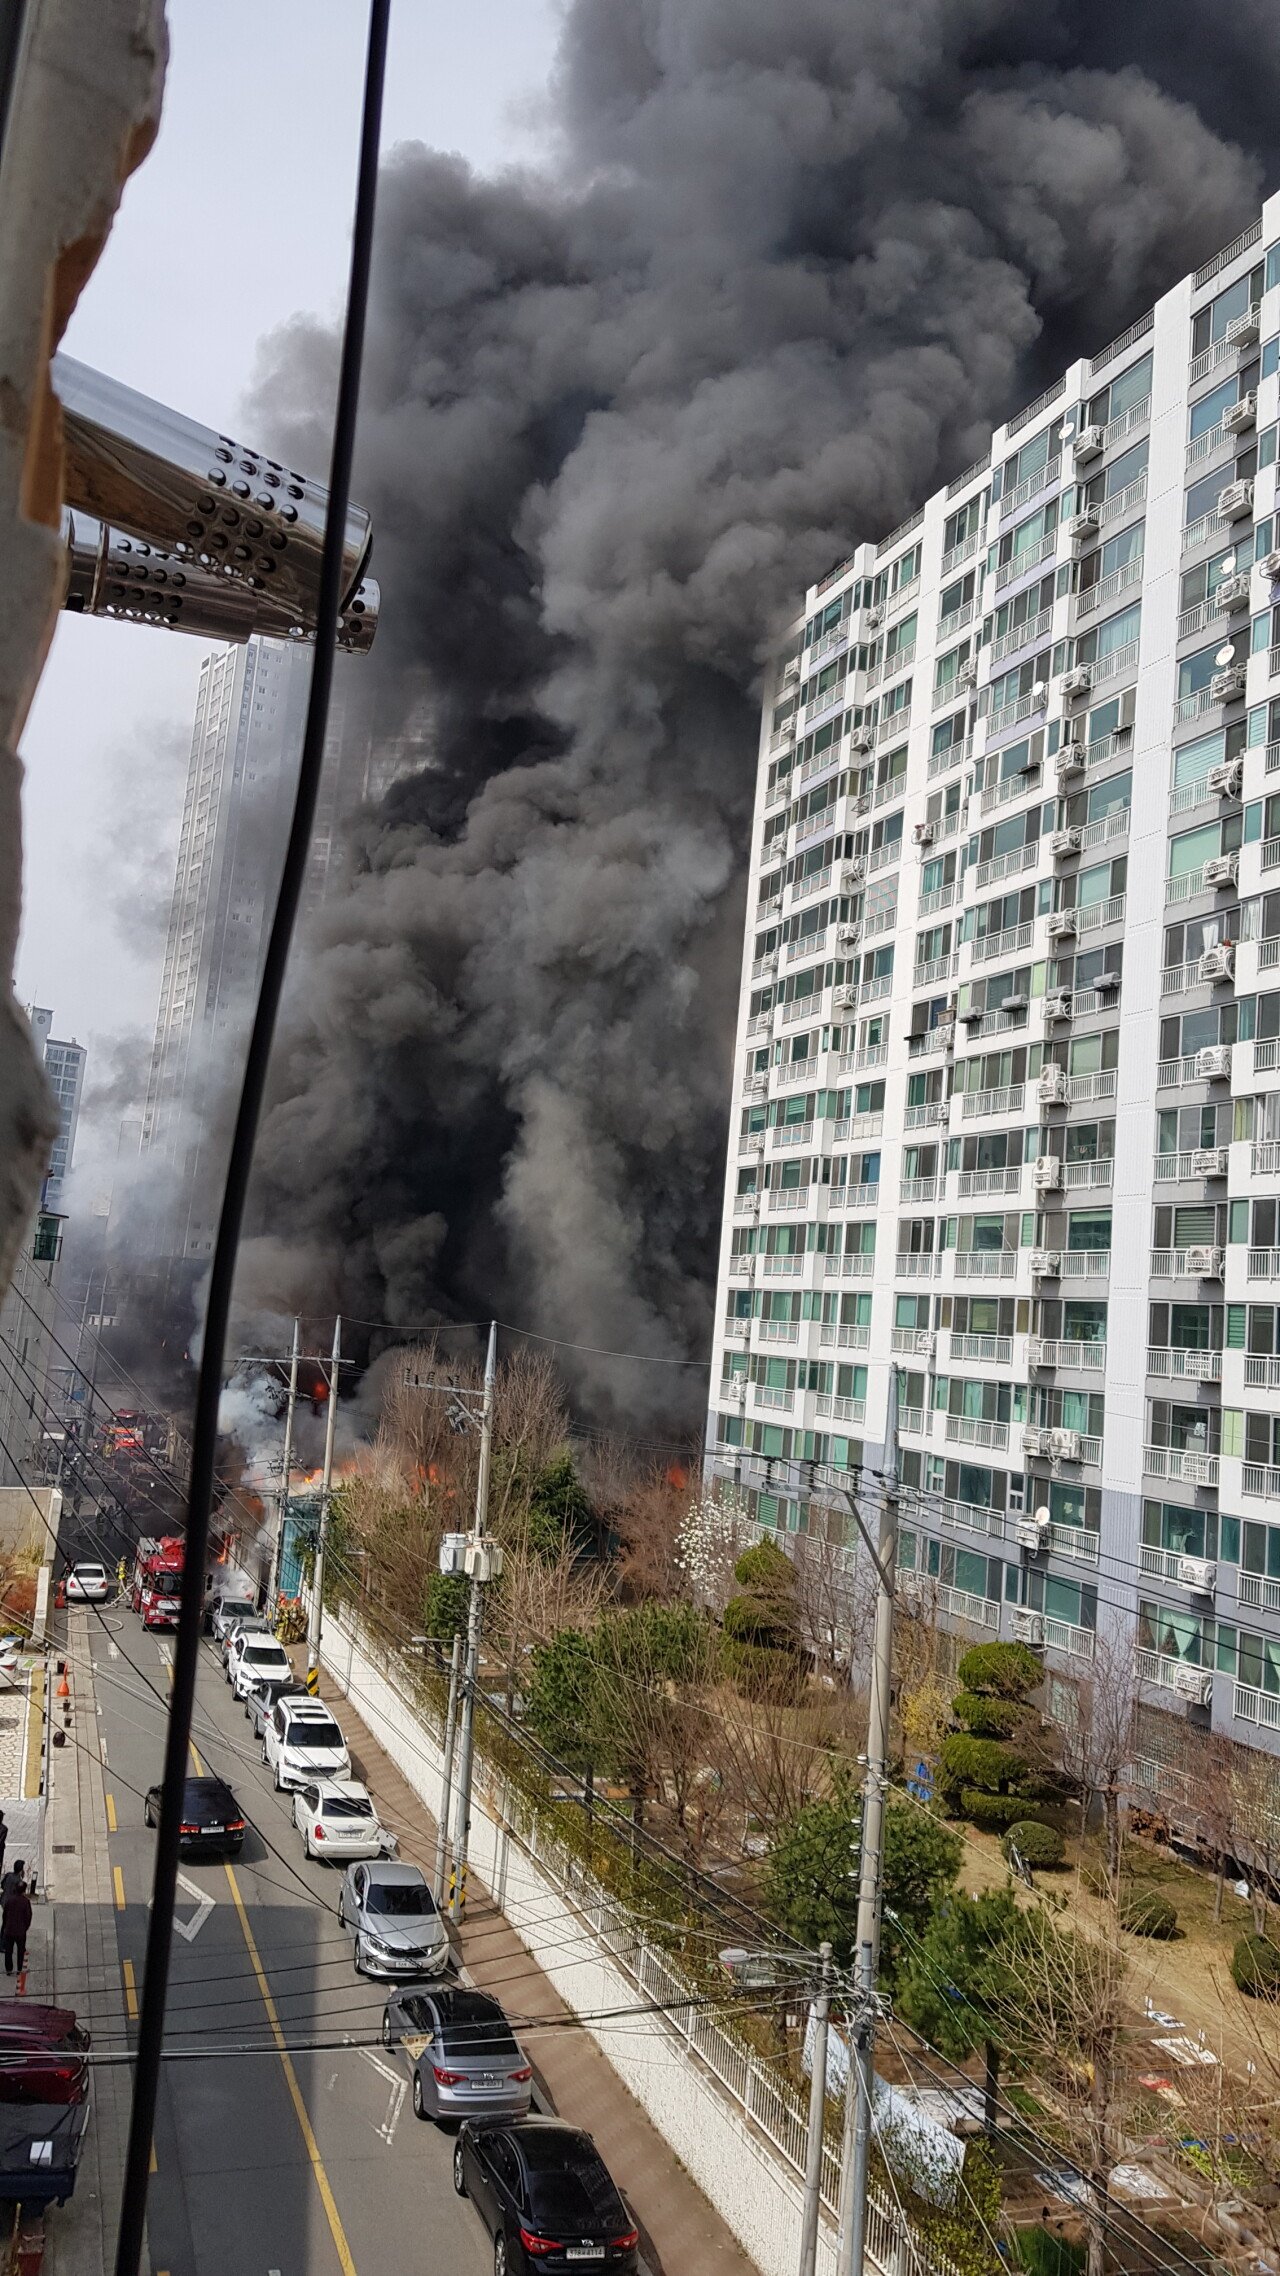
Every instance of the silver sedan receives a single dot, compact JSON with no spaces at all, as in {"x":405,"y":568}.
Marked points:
{"x":389,"y":1912}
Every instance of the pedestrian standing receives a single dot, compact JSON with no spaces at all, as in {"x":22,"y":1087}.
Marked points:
{"x":15,"y":1921}
{"x":16,"y":1877}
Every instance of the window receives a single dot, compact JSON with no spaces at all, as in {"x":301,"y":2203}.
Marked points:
{"x":1131,"y":387}
{"x":1207,"y":412}
{"x":948,"y":735}
{"x":1089,"y":1229}
{"x":1209,"y":325}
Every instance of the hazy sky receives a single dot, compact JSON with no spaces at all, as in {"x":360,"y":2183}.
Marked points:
{"x":239,"y":217}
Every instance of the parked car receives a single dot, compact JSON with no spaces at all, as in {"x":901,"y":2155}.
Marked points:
{"x":224,"y":1611}
{"x":87,"y":1583}
{"x":252,"y":1656}
{"x":44,"y":2054}
{"x":261,"y":1696}
{"x":212,"y":1819}
{"x":245,"y":1624}
{"x":461,"y":2052}
{"x":545,"y":2195}
{"x":338,"y":1822}
{"x":389,"y":1912}
{"x":301,"y":1742}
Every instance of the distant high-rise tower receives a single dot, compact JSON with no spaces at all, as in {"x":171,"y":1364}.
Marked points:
{"x":64,"y":1066}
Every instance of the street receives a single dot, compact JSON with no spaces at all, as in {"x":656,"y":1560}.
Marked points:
{"x":283,"y":2161}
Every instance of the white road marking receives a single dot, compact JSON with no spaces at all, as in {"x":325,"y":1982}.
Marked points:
{"x":190,"y":1929}
{"x":113,"y":1650}
{"x":165,"y":1650}
{"x":399,"y":2088}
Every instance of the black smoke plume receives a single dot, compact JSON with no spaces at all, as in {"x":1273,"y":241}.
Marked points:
{"x":785,"y":267}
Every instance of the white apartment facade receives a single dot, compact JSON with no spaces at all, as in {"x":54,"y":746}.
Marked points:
{"x":1006,"y":1105}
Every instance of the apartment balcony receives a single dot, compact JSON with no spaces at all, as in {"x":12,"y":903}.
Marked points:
{"x":1011,"y":864}
{"x":1264,"y":1161}
{"x":1085,"y":1264}
{"x":935,"y":970}
{"x":965,"y":551}
{"x":1223,"y":351}
{"x":911,"y":1339}
{"x":998,"y":1022}
{"x":1025,"y":635}
{"x":1013,"y":714}
{"x":884,"y":857}
{"x":792,"y":1134}
{"x":1169,"y":1673}
{"x":1190,"y":795}
{"x":995,"y":1351}
{"x":857,"y":1267}
{"x":1177,"y":978}
{"x":812,"y":945}
{"x":1266,"y":1055}
{"x":1009,"y":571}
{"x":1087,"y":1174}
{"x":972,"y":1183}
{"x":1260,"y":1479}
{"x":1171,"y":1074}
{"x":857,"y":1062}
{"x":921,"y":1189}
{"x":806,"y":890}
{"x":1215,"y":443}
{"x":746,"y":1204}
{"x":1008,"y":1098}
{"x":1076,"y":1541}
{"x":1119,"y":661}
{"x":778,"y":1331}
{"x":902,"y":599}
{"x":1264,"y":1264}
{"x":961,"y":1604}
{"x":760,"y":1023}
{"x":1201,"y":1162}
{"x":782,"y":736}
{"x":1171,"y":1565}
{"x":973,"y":1430}
{"x":1174,"y":1264}
{"x":838,"y":637}
{"x":837,"y":1336}
{"x":1073,"y":1353}
{"x":781,"y":1268}
{"x":1021,"y":785}
{"x":1186,"y":1465}
{"x":782,"y":1197}
{"x":915,"y":1421}
{"x":944,"y":762}
{"x":1184,"y":1366}
{"x":934,"y":1043}
{"x":1125,"y":502}
{"x":1261,"y":1371}
{"x":896,"y":723}
{"x":1106,"y":831}
{"x":1090,"y":1449}
{"x":926,"y":1117}
{"x":1251,"y":1706}
{"x":1086,"y":1088}
{"x":859,"y":1126}
{"x":938,"y":898}
{"x":911,"y":1264}
{"x":1257,"y":1592}
{"x":830,"y":700}
{"x":949,"y":626}
{"x":779,"y":1401}
{"x":985,"y":1264}
{"x":840,"y":1410}
{"x":737,"y":1331}
{"x":1007,"y":943}
{"x":1099,"y":914}
{"x":1031,"y":487}
{"x":1108,"y":589}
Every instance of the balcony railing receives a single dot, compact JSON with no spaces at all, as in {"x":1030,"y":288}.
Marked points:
{"x":985,"y":1264}
{"x":1021,"y":636}
{"x":918,"y":1264}
{"x":1074,"y":1353}
{"x":841,"y":1410}
{"x":859,"y":1266}
{"x":1255,"y":1589}
{"x":1124,"y":502}
{"x":1269,"y":952}
{"x":937,"y":968}
{"x":1030,"y":558}
{"x":1006,"y":1099}
{"x":948,"y":626}
{"x":1107,"y":588}
{"x":972,"y":1430}
{"x":1264,"y":1161}
{"x":973,"y":1182}
{"x":940,"y":897}
{"x":1189,"y":1366}
{"x":1013,"y":714}
{"x":1088,"y":1087}
{"x":1088,"y":1173}
{"x":1249,"y":1705}
{"x":1078,"y":1541}
{"x":942,"y":762}
{"x":1261,"y":1371}
{"x":784,"y":1197}
{"x":763,"y":1395}
{"x":965,"y":551}
{"x":1206,"y":446}
{"x":925,"y":1117}
{"x":781,"y":1267}
{"x":995,"y":1350}
{"x":894,"y":723}
{"x":867,"y":1055}
{"x":793,"y":1134}
{"x":921,"y":1189}
{"x":1101,"y":913}
{"x":1006,"y":943}
{"x":1030,"y":487}
{"x":1170,"y":1167}
{"x":1086,"y":1264}
{"x":1264,"y":1264}
{"x":1064,"y":1636}
{"x":1020,"y":785}
{"x":978,"y":1611}
{"x":1187,"y":1464}
{"x":1260,"y":1478}
{"x":778,"y":1331}
{"x":845,"y":1336}
{"x":969,"y":1517}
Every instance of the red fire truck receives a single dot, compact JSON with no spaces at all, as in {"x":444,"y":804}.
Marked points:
{"x":157,"y":1580}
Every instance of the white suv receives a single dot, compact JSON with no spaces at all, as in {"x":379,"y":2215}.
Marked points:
{"x":301,"y":1742}
{"x":255,"y":1658}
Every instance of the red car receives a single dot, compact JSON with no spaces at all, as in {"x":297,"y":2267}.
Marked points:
{"x":44,"y":2054}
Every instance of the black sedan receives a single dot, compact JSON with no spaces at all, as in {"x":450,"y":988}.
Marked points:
{"x":546,"y":2197}
{"x":212,"y":1819}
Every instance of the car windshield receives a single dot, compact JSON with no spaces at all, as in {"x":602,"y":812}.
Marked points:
{"x":403,"y":1900}
{"x":313,"y":1738}
{"x":263,"y":1655}
{"x":240,"y":1610}
{"x":346,"y":1806}
{"x":583,"y":2198}
{"x":90,"y":1573}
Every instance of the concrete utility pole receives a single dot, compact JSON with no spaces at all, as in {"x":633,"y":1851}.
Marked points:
{"x":858,"y":2113}
{"x":326,"y":1484}
{"x":462,"y":1822}
{"x":446,"y":1795}
{"x":282,"y":1516}
{"x":817,"y":2119}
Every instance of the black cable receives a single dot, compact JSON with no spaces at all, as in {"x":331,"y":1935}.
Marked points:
{"x":133,"y":2205}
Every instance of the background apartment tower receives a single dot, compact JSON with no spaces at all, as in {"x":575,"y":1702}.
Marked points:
{"x":30,"y":1382}
{"x":1006,"y":1110}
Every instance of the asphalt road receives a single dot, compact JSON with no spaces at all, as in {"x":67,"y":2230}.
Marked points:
{"x":288,"y":2161}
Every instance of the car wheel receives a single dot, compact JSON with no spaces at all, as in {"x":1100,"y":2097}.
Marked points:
{"x":459,"y":2177}
{"x":419,"y":2107}
{"x":386,"y":2033}
{"x":499,"y":2256}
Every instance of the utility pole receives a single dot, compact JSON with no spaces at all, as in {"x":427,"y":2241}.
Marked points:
{"x":817,"y":2119}
{"x":282,"y":1519}
{"x":446,"y":1794}
{"x":326,"y":1484}
{"x":858,"y":2113}
{"x":462,"y":1821}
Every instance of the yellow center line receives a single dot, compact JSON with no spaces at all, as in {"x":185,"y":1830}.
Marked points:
{"x":199,"y":1766}
{"x":112,"y":1827}
{"x":336,"y":2230}
{"x":130,"y":1990}
{"x":118,"y":1878}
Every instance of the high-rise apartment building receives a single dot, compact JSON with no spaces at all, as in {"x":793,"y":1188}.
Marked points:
{"x":1006,"y":1109}
{"x":64,"y":1067}
{"x":29,"y":1337}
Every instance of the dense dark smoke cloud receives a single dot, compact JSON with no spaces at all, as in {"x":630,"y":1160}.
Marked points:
{"x":787,"y":266}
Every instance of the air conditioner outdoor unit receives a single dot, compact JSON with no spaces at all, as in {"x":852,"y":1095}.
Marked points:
{"x":1046,"y":1264}
{"x":1047,"y":1173}
{"x":755,"y":1143}
{"x":1105,"y":982}
{"x":845,"y":999}
{"x":944,"y":1035}
{"x":1210,"y":1161}
{"x":1218,"y":962}
{"x":1032,"y":1529}
{"x":1090,"y":443}
{"x":1242,"y":331}
{"x":873,"y":619}
{"x":790,"y":671}
{"x":1053,"y":1085}
{"x":1193,"y":1683}
{"x":972,"y":1013}
{"x":1270,"y":566}
{"x":1204,"y":1263}
{"x":1028,"y":1626}
{"x":1084,"y":525}
{"x":1035,"y":1441}
{"x":926,"y":1342}
{"x":1232,"y":593}
{"x":967,"y":676}
{"x":1057,"y":1004}
{"x":852,"y":874}
{"x":1014,"y":1003}
{"x":1064,"y":842}
{"x":1235,"y":500}
{"x":773,"y":905}
{"x":758,"y":1085}
{"x":1199,"y":1574}
{"x":1062,"y":925}
{"x":1226,"y":687}
{"x":1066,"y":1445}
{"x":848,"y":936}
{"x":1224,"y":869}
{"x":1225,"y":780}
{"x":1077,"y":682}
{"x":738,"y":1389}
{"x":753,"y":1205}
{"x":1239,"y":416}
{"x":1213,"y":1063}
{"x":1035,"y":1351}
{"x":863,"y":739}
{"x":924,"y":833}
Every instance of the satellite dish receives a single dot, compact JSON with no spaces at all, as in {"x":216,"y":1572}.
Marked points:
{"x":1227,"y":564}
{"x":1042,"y":1516}
{"x":1226,"y":654}
{"x":1039,"y":692}
{"x":1068,"y":430}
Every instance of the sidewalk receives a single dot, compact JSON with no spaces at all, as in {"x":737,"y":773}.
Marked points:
{"x":681,"y":2233}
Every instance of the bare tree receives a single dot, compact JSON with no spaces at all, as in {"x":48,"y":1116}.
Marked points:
{"x":1255,"y":1801}
{"x":1094,"y":1721}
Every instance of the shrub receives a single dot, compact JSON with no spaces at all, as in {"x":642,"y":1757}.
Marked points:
{"x":993,"y":1810}
{"x":986,"y":1718}
{"x":1009,"y":1671}
{"x":1036,"y":1844}
{"x":1255,"y":1967}
{"x":767,"y":1568}
{"x":1144,"y":1913}
{"x":979,"y":1762}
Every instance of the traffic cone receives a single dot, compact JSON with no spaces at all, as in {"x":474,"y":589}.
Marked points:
{"x":60,"y":1597}
{"x":64,"y":1688}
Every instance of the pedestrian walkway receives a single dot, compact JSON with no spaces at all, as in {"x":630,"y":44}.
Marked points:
{"x":681,"y":2234}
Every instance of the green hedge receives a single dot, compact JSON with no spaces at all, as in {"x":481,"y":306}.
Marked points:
{"x":986,"y":1718}
{"x":1144,"y":1913}
{"x":1255,"y":1967}
{"x":985,"y":1763}
{"x":993,"y":1810}
{"x":1009,"y":1671}
{"x":1036,"y":1844}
